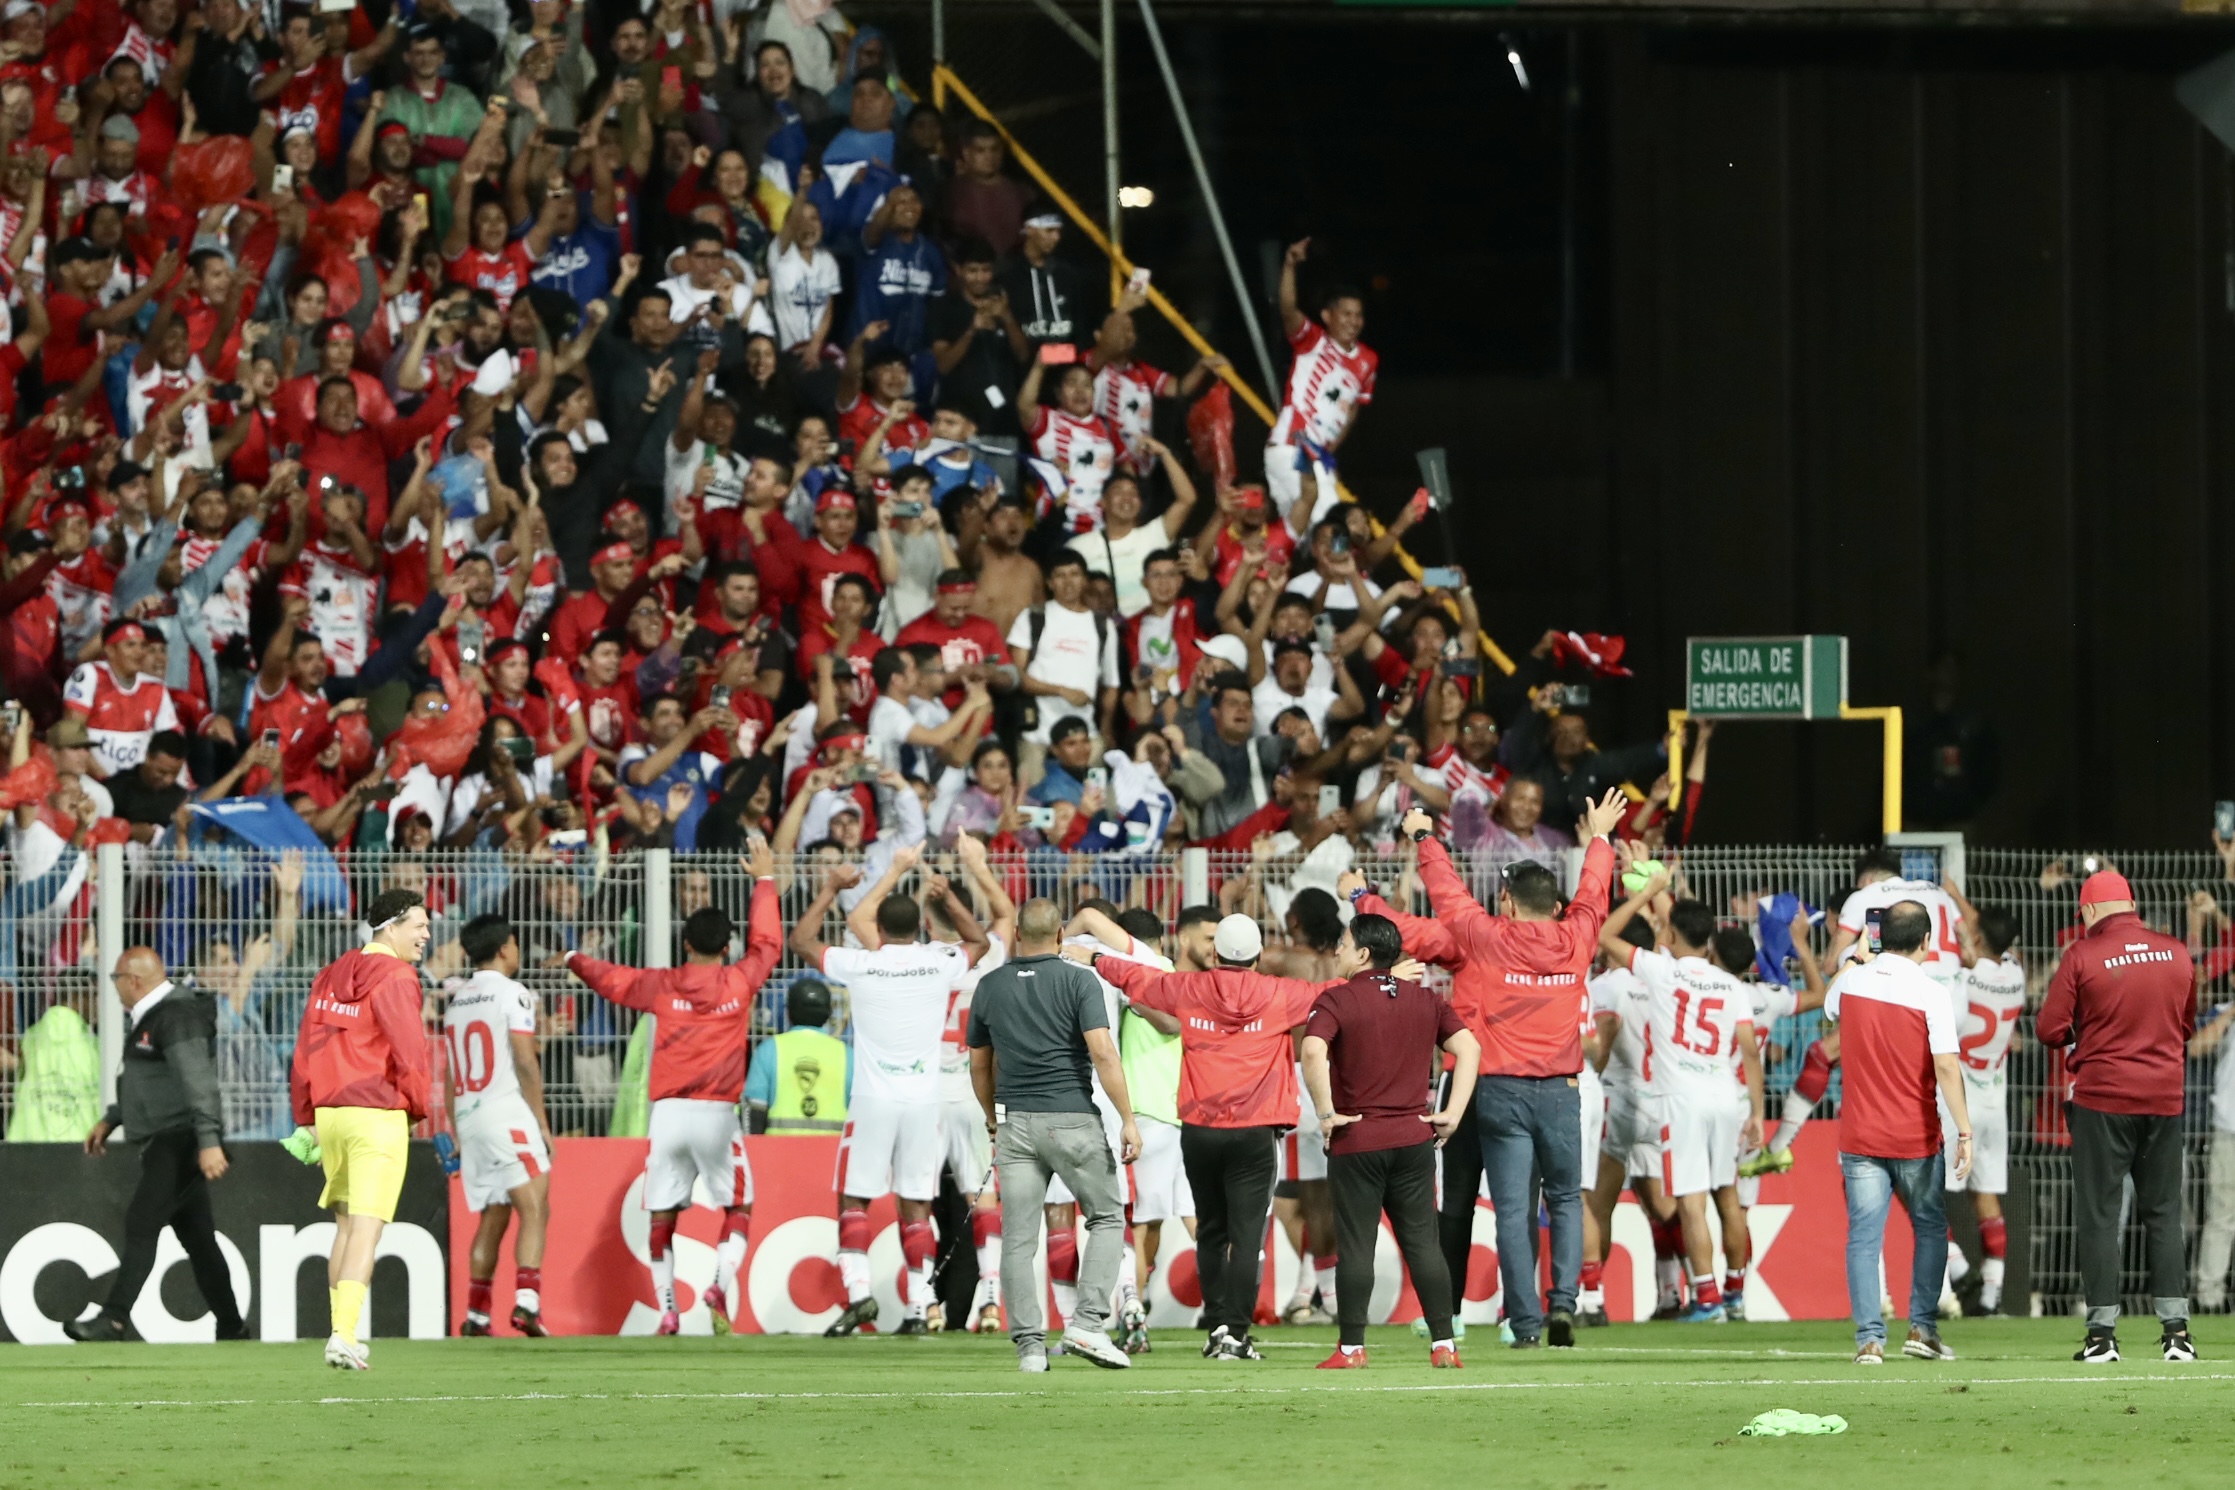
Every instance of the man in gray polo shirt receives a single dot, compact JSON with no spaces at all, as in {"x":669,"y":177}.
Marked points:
{"x":1038,"y":1025}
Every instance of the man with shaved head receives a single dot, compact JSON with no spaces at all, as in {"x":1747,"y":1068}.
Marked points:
{"x":166,"y":1102}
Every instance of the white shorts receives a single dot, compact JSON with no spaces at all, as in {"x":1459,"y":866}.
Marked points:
{"x":1284,"y":483}
{"x":1699,"y":1144}
{"x":1749,"y":1187}
{"x":1160,"y":1191}
{"x":1990,"y":1139}
{"x":891,"y":1148}
{"x":963,"y":1144}
{"x":1303,"y":1151}
{"x":696,"y":1140}
{"x":500,"y":1148}
{"x":1633,"y":1132}
{"x":1593,"y":1094}
{"x":1058,"y":1192}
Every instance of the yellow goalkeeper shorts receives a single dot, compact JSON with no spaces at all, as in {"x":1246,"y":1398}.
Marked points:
{"x":364,"y":1152}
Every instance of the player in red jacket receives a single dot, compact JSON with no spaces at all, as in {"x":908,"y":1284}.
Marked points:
{"x":360,"y":1077}
{"x":705,"y":1014}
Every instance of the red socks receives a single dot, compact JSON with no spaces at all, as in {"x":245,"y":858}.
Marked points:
{"x":1815,"y":1074}
{"x":477,"y":1296}
{"x":1668,"y":1237}
{"x":1734,"y":1282}
{"x":1706,"y":1292}
{"x":853,"y":1231}
{"x":1063,"y":1257}
{"x":984,"y":1227}
{"x":1994,"y":1236}
{"x":915,"y":1243}
{"x":524,"y":1280}
{"x":1594,"y":1273}
{"x":663,"y":1236}
{"x":737,"y":1224}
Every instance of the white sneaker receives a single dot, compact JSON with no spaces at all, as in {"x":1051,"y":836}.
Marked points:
{"x":348,"y":1355}
{"x":1032,"y":1360}
{"x":1095,"y":1346}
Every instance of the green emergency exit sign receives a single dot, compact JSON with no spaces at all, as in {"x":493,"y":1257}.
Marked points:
{"x":1765,"y":677}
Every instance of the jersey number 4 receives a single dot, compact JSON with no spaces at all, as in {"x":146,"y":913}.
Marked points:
{"x":1701,"y":1029}
{"x":473,"y":1056}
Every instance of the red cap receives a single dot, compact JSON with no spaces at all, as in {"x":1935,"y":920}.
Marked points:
{"x":624,"y":505}
{"x":2105,"y":886}
{"x":613,"y":553}
{"x":835,"y":496}
{"x":1249,"y":496}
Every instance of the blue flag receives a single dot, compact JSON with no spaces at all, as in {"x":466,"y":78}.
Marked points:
{"x":268,"y":823}
{"x":1774,"y":920}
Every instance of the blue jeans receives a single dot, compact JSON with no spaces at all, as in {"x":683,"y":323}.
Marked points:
{"x":1871,"y":1186}
{"x":1533,"y":1126}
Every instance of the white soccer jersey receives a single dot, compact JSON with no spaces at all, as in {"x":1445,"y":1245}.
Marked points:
{"x":341,"y":605}
{"x":1946,"y":962}
{"x":1993,"y":996}
{"x":477,"y":1026}
{"x":1695,"y":1011}
{"x":1125,"y":395}
{"x":899,"y":998}
{"x":1085,"y":451}
{"x":1325,"y":387}
{"x":954,"y":1046}
{"x":120,"y":720}
{"x":225,"y":613}
{"x":1624,"y":995}
{"x":1772,"y":1002}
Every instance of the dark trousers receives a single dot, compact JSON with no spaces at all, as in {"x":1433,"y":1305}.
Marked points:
{"x":1532,"y":1131}
{"x":2107,"y":1147}
{"x":1402,"y":1183}
{"x":173,"y":1193}
{"x":1462,"y":1190}
{"x":1231,"y":1172}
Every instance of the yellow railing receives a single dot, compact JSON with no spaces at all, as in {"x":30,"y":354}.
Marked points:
{"x":1888,"y":717}
{"x":944,"y":82}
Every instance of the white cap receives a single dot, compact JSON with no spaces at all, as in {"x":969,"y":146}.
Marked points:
{"x":1238,"y":940}
{"x":1226,"y":648}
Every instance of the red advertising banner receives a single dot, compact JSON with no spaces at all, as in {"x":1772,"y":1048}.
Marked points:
{"x":597,"y":1277}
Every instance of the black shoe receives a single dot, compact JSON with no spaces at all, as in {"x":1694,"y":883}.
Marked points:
{"x":1527,"y":1342}
{"x":473,"y":1328}
{"x":914,"y":1327}
{"x":1559,"y":1332}
{"x":1241,"y":1349}
{"x":237,"y":1332}
{"x":99,"y":1330}
{"x":1593,"y":1319}
{"x":529,"y":1322}
{"x":2178,"y":1347}
{"x":856,"y":1315}
{"x":2101,"y":1350}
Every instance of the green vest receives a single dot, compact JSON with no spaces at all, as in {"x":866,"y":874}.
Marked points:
{"x":58,"y":1091}
{"x":1151,"y":1060}
{"x":810,"y":1083}
{"x":632,"y":1101}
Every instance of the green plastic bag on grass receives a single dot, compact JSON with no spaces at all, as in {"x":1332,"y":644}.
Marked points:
{"x":1782,"y":1422}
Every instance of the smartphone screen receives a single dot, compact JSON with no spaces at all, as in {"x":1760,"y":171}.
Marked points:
{"x":671,"y":77}
{"x":2223,"y":819}
{"x":1058,"y":353}
{"x":1330,"y":800}
{"x":1871,"y":922}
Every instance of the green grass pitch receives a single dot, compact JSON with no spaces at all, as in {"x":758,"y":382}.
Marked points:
{"x":1656,"y":1405}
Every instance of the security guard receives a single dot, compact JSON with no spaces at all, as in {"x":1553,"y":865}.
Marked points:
{"x":167,"y":1102}
{"x":801,"y":1079}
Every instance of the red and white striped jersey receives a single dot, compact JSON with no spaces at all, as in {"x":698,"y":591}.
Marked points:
{"x":80,"y":590}
{"x":1085,"y":451}
{"x":225,"y":614}
{"x":1125,"y":395}
{"x":1326,"y":385}
{"x":136,"y":191}
{"x":341,"y":603}
{"x":148,"y":394}
{"x":121,"y":720}
{"x":1462,"y":776}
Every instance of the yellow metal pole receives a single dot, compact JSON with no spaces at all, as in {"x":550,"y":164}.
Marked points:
{"x":1889,"y":717}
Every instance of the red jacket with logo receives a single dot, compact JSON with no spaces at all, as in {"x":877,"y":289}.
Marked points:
{"x":362,"y":1043}
{"x":1519,"y":984}
{"x":705,"y":1010}
{"x":2124,"y":999}
{"x":1237,"y":1062}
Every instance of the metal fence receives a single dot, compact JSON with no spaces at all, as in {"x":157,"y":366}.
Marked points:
{"x":254,"y":929}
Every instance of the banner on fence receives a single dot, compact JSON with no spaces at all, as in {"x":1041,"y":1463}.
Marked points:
{"x":62,"y":1234}
{"x":597,"y":1277}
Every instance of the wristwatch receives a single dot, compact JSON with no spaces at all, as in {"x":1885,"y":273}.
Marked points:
{"x":1424,"y":835}
{"x":1360,"y":893}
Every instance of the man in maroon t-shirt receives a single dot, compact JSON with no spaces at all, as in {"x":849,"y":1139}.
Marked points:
{"x":1369,"y":1046}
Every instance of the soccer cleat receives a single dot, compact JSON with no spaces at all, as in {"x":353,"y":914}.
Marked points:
{"x":1873,"y":1354}
{"x":529,"y":1322}
{"x":1133,"y":1321}
{"x":1927,"y":1346}
{"x":717,"y":1308}
{"x":914,"y":1327}
{"x":100,"y":1329}
{"x":1593,"y":1319}
{"x":347,"y":1355}
{"x":1767,"y":1161}
{"x":671,"y":1323}
{"x":1095,"y":1348}
{"x":1668,"y":1309}
{"x":2178,"y":1347}
{"x":1345,"y":1360}
{"x":1559,"y":1330}
{"x":1700,"y":1313}
{"x":857,"y":1314}
{"x":1505,"y":1332}
{"x":1734,"y":1306}
{"x":1444,"y":1358}
{"x":1213,"y":1342}
{"x":1032,"y":1359}
{"x":474,"y":1325}
{"x":1244,"y":1349}
{"x":935,"y":1317}
{"x":2100,"y":1350}
{"x":988,"y":1321}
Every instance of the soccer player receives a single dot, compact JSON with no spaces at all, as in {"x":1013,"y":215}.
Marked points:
{"x":962,"y":1124}
{"x":899,"y":987}
{"x":704,"y":1013}
{"x":1992,"y":998}
{"x":359,"y":1077}
{"x":1697,"y":1014}
{"x":494,"y":1085}
{"x":1303,"y":1201}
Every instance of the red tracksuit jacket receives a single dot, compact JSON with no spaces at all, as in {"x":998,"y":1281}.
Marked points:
{"x":362,"y":1044}
{"x":1237,"y":1062}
